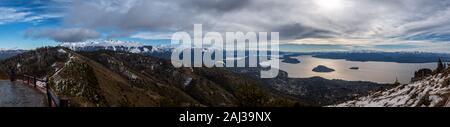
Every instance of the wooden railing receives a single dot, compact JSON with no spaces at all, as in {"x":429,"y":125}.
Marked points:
{"x":42,"y":86}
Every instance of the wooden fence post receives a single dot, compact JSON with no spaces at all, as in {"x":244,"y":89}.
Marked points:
{"x":49,"y":99}
{"x":35,"y":81}
{"x":13,"y":76}
{"x":28,"y":80}
{"x":49,"y":96}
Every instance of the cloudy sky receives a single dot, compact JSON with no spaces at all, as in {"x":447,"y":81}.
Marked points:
{"x":391,"y":25}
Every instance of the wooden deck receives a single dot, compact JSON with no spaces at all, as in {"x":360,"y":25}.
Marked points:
{"x":16,"y":94}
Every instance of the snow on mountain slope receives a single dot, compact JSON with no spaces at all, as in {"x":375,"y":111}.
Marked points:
{"x":433,"y":91}
{"x":114,"y":45}
{"x":103,"y":43}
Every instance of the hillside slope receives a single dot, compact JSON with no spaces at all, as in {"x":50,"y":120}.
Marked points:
{"x":121,"y":79}
{"x":316,"y":91}
{"x":433,"y":91}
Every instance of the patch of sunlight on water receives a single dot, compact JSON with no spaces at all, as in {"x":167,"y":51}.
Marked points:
{"x":381,"y":72}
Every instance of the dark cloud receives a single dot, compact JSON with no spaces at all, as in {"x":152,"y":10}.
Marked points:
{"x":128,"y":16}
{"x":125,"y":16}
{"x":220,"y":6}
{"x":294,"y":19}
{"x":299,"y":31}
{"x":63,"y":35}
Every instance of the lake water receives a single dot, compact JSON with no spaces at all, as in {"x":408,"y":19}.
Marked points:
{"x":380,"y":72}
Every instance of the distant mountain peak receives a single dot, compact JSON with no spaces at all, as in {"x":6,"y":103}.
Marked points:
{"x":10,"y":49}
{"x":113,"y":45}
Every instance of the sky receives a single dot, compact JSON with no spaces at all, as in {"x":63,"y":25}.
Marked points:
{"x":386,"y":25}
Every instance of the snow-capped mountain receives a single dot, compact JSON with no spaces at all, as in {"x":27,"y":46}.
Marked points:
{"x":6,"y":53}
{"x":114,"y":45}
{"x":433,"y":91}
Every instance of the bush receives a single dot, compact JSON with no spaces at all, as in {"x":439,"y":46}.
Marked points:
{"x":251,"y":96}
{"x":446,"y":82}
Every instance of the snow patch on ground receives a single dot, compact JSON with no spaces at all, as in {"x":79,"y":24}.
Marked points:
{"x":62,"y":51}
{"x":430,"y":92}
{"x":187,"y":81}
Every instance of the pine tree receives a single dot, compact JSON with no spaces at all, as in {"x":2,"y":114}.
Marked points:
{"x":396,"y":83}
{"x":440,"y":66}
{"x":12,"y":75}
{"x":447,"y":65}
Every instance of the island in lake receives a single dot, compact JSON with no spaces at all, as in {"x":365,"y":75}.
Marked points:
{"x":322,"y":68}
{"x":288,"y":59}
{"x":354,"y":68}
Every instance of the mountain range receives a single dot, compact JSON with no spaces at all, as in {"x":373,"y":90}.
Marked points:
{"x":364,"y":56}
{"x":113,"y":45}
{"x":122,"y":79}
{"x":7,"y":53}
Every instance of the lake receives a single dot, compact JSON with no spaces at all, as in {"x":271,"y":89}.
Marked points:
{"x":380,"y":72}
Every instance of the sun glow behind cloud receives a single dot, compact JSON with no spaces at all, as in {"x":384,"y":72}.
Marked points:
{"x":330,"y":5}
{"x":338,"y":22}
